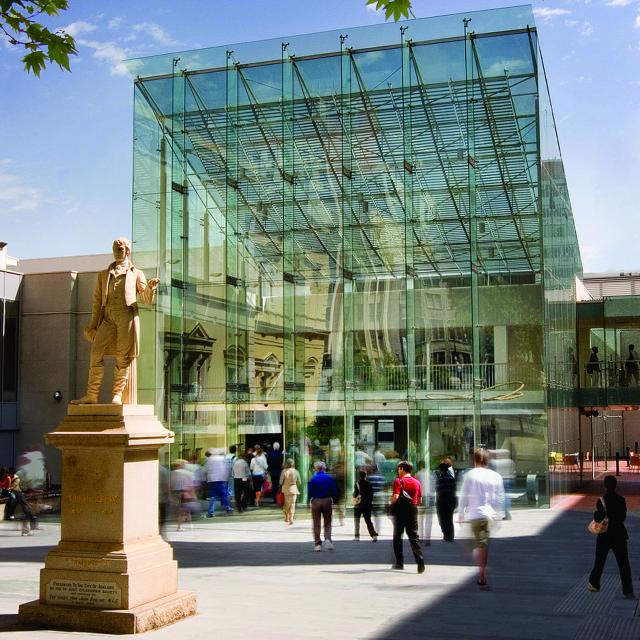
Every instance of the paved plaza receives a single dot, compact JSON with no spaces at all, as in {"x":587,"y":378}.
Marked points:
{"x":254,"y":574}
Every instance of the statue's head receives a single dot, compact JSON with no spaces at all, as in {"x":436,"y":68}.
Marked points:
{"x":121,"y":249}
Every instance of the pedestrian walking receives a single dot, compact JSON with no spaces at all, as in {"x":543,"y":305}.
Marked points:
{"x":216,"y":470}
{"x":258,"y":466}
{"x":290,"y":486}
{"x":322,"y":491}
{"x":242,"y":486}
{"x":614,"y":507}
{"x":446,"y":500}
{"x":405,"y":498}
{"x":362,"y":506}
{"x":481,"y":501}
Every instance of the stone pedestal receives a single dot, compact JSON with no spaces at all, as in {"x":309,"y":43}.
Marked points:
{"x":111,"y":571}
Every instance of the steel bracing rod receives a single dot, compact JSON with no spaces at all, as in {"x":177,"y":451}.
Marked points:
{"x":369,"y":112}
{"x":173,"y":144}
{"x":308,"y":103}
{"x":219,"y":153}
{"x":257,"y":112}
{"x":489,"y":111}
{"x":479,"y":175}
{"x":421,"y":181}
{"x":432,"y":124}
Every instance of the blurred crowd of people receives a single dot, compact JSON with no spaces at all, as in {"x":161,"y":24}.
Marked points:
{"x":20,"y":485}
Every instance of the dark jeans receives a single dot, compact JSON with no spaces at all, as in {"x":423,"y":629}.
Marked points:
{"x":619,"y":548}
{"x":217,"y":491}
{"x":445,"y":506}
{"x":406,"y":520}
{"x":242,"y":490}
{"x":365,"y":512}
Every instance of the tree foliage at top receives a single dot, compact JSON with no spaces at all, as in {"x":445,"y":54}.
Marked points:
{"x":396,"y":8}
{"x":19,"y":22}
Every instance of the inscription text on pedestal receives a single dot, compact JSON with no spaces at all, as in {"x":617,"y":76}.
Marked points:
{"x":86,"y":593}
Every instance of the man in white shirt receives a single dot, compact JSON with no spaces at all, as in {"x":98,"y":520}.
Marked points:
{"x":481,"y":500}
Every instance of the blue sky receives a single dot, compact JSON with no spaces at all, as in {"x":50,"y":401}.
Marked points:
{"x":65,"y":139}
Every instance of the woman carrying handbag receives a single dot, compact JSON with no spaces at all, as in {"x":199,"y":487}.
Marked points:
{"x":613,"y":507}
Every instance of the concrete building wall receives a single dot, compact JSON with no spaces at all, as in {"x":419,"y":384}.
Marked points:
{"x":54,"y":356}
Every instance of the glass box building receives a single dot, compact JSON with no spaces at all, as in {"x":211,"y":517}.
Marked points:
{"x":365,"y":243}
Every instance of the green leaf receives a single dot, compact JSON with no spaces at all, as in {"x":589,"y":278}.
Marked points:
{"x":35,"y":62}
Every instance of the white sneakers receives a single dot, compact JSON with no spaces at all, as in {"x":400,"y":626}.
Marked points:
{"x":318,"y":547}
{"x":328,"y":545}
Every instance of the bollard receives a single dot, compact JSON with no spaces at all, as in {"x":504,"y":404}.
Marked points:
{"x":617,"y":463}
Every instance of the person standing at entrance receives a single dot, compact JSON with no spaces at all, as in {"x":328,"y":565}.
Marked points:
{"x":614,"y":507}
{"x":258,"y":466}
{"x":241,"y":483}
{"x":481,"y":500}
{"x":322,"y":492}
{"x":405,"y":498}
{"x":275,"y":459}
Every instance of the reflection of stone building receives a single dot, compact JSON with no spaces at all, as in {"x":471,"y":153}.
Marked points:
{"x":363,"y":260}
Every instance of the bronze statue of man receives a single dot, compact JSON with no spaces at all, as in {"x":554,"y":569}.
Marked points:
{"x":115,"y":326}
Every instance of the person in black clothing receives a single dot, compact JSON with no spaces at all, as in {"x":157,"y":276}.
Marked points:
{"x":364,"y":491}
{"x":275,"y":458}
{"x":446,"y":500}
{"x":614,"y":538}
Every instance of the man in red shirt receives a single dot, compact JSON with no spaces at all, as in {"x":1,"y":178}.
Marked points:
{"x":405,"y":498}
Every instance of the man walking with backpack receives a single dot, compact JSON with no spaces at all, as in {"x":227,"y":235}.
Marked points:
{"x":406,"y":496}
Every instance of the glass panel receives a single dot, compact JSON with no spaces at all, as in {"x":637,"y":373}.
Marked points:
{"x":367,"y":232}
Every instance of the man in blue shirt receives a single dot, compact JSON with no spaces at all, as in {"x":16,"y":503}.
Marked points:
{"x":322,"y":491}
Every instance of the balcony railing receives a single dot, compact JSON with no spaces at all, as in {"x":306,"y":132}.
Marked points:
{"x":436,"y":377}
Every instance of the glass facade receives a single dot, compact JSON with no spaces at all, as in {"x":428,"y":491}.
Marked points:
{"x":365,"y":243}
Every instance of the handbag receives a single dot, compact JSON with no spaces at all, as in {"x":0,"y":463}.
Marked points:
{"x":599,"y":527}
{"x":356,"y":500}
{"x":280,"y":498}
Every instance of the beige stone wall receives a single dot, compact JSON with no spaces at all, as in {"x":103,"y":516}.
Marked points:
{"x":54,"y":309}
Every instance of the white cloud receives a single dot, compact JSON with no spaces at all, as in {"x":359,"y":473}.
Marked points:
{"x":78,"y":28}
{"x":114,"y":23}
{"x":372,"y":8}
{"x":586,"y":29}
{"x":15,"y":195}
{"x":637,"y":22}
{"x":512,"y":65}
{"x":110,"y":53}
{"x":547,"y":13}
{"x":618,"y":3}
{"x":156,"y":32}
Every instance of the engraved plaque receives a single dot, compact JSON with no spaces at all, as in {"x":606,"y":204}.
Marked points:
{"x":85,"y":593}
